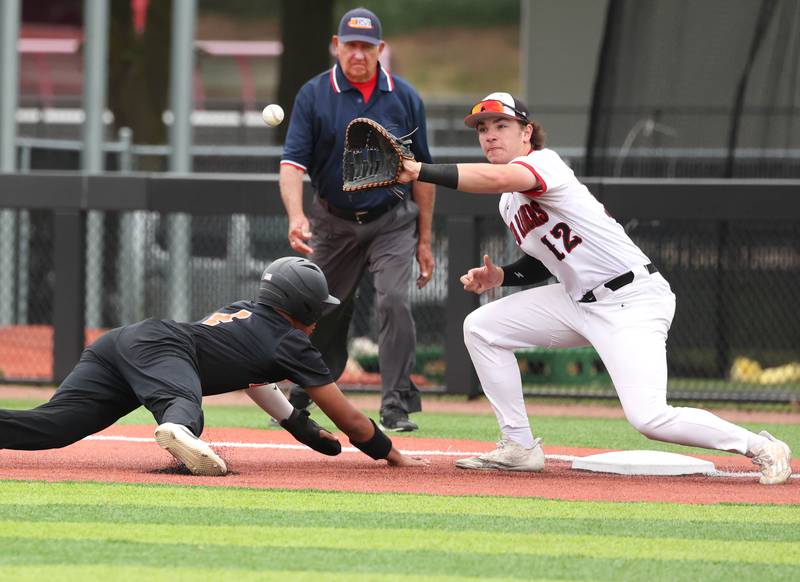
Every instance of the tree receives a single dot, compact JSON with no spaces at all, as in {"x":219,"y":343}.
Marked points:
{"x":139,"y":70}
{"x":306,"y":30}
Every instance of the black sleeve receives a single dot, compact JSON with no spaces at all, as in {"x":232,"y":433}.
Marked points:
{"x":526,"y":271}
{"x":301,"y":361}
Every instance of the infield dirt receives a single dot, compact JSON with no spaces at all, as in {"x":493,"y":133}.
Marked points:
{"x":268,"y":459}
{"x":256,"y":460}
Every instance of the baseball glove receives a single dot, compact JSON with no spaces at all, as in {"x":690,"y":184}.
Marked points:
{"x":305,"y":430}
{"x":373,"y":157}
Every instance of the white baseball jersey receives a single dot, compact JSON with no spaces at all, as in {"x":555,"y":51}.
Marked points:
{"x":566,"y":228}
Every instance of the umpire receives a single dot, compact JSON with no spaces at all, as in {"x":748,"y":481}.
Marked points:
{"x":375,"y":230}
{"x":169,"y":366}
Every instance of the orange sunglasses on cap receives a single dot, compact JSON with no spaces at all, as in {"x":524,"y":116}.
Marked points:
{"x":497,"y":106}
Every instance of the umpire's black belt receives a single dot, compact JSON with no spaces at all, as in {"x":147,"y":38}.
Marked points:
{"x":361,"y":216}
{"x":616,"y":283}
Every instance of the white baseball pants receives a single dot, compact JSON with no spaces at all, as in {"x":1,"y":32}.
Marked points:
{"x":628,"y":328}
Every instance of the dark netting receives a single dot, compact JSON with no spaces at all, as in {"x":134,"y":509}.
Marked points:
{"x":696,"y":89}
{"x":26,"y":294}
{"x":227,"y":255}
{"x":130,"y":257}
{"x":737,"y":284}
{"x":734,"y":335}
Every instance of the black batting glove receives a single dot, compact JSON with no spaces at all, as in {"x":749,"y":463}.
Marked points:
{"x":308,"y":432}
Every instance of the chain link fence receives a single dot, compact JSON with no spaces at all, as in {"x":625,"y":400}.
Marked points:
{"x":26,"y":300}
{"x":735,"y":333}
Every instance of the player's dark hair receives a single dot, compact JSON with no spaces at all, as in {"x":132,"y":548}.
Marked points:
{"x":538,"y":134}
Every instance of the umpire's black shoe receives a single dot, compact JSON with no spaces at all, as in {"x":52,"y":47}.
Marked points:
{"x":397,"y":423}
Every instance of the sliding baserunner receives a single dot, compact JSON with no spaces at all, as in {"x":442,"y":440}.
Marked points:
{"x":168,"y":366}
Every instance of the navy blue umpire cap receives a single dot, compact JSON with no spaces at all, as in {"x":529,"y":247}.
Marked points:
{"x":360,"y":24}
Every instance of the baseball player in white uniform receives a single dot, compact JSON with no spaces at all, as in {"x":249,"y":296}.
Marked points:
{"x":609,"y":296}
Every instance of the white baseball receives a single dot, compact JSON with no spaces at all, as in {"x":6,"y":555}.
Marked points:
{"x":272,"y":115}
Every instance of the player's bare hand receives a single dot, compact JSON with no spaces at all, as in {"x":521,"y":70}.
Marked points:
{"x":483,"y":278}
{"x":426,"y":264}
{"x":406,"y":461}
{"x":410,"y":171}
{"x":299,"y":233}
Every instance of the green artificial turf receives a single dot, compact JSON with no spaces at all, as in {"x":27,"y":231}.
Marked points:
{"x":71,"y":531}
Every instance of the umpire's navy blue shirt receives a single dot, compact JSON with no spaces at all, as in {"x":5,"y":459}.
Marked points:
{"x":323,"y":108}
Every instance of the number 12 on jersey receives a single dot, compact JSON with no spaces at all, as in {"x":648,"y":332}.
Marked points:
{"x":564,"y":232}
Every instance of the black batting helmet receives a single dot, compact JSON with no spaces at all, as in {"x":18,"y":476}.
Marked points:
{"x":297,"y":286}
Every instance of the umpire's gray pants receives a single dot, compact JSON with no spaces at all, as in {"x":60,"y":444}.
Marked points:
{"x":387,"y":246}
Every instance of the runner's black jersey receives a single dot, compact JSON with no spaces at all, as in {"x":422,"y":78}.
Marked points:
{"x":247,"y":344}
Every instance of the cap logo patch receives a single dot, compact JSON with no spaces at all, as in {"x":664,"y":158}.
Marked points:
{"x":267,"y":276}
{"x":359,"y":22}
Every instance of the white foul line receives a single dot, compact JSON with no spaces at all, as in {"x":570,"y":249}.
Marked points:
{"x":425,"y":453}
{"x":239,"y":445}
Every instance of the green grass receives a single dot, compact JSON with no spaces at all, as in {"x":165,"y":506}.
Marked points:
{"x":89,"y":531}
{"x":565,"y":431}
{"x":84,"y":530}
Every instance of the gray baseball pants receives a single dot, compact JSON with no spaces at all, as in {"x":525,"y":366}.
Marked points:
{"x":386,"y":247}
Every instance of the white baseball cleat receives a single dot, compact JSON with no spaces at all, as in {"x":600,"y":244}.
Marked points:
{"x":508,"y":456}
{"x":190,"y":450}
{"x":773,"y":458}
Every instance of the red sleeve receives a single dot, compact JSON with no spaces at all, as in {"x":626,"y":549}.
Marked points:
{"x":541,"y":188}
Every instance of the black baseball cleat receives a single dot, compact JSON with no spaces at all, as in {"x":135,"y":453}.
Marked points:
{"x":397,"y":423}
